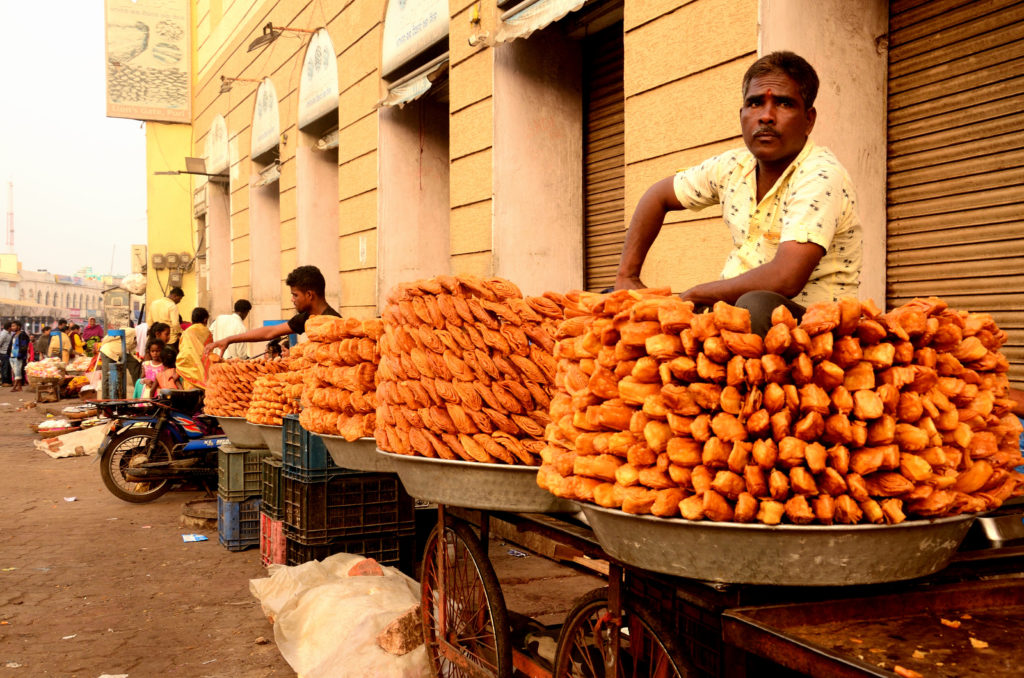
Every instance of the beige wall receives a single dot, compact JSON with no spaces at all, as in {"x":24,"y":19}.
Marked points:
{"x":486,"y":207}
{"x":844,"y":42}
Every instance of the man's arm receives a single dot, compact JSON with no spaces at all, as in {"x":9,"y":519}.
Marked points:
{"x":265,"y":333}
{"x":649,"y":217}
{"x":786,"y":273}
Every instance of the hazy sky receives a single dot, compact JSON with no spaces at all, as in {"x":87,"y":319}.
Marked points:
{"x":79,"y":177}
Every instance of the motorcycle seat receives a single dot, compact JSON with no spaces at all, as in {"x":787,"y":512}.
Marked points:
{"x":190,"y":401}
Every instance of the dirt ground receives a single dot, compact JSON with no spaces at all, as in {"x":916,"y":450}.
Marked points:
{"x":99,"y":586}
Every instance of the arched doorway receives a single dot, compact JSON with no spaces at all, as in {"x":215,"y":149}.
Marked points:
{"x":218,"y":220}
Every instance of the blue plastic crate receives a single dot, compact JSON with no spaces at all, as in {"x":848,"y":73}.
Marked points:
{"x":238,"y":523}
{"x":303,"y":454}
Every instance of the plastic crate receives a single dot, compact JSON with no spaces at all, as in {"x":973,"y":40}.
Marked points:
{"x":348,"y":505}
{"x":238,"y":523}
{"x":272,"y":540}
{"x":394,"y":550}
{"x":239,"y":472}
{"x":304,"y":455}
{"x":272,"y":489}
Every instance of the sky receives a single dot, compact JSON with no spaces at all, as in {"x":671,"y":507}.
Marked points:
{"x":79,"y":177}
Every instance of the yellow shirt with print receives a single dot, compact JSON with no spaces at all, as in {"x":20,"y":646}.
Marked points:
{"x":164,"y":310}
{"x":813,"y":201}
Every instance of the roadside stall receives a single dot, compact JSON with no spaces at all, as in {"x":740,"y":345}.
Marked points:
{"x":828,"y":460}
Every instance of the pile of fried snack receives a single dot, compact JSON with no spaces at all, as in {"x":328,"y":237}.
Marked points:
{"x":466,"y":370}
{"x":339,"y":395}
{"x":848,"y":416}
{"x":229,"y":387}
{"x":275,"y":395}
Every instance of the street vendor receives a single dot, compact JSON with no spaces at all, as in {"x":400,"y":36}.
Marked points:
{"x":230,"y":324}
{"x":308,"y":288}
{"x":92,"y":331}
{"x":60,"y":344}
{"x":190,"y":363}
{"x":165,"y":310}
{"x":789,"y":204}
{"x":110,"y":354}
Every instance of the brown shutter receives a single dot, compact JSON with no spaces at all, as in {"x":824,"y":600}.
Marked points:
{"x":604,"y":151}
{"x":956,"y":159}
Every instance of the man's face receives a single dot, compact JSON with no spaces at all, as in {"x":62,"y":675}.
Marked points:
{"x":176,"y":298}
{"x":302,"y":300}
{"x":774,"y":120}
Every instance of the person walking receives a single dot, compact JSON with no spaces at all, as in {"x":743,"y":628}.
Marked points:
{"x":19,"y":351}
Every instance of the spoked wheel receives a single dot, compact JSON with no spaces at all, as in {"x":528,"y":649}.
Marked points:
{"x":464,"y":617}
{"x":587,"y":644}
{"x":128,"y":449}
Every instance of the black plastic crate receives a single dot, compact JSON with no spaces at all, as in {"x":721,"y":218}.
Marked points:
{"x":347,"y":505}
{"x":387,"y":549}
{"x":238,"y":523}
{"x":272,"y":489}
{"x":304,"y":455}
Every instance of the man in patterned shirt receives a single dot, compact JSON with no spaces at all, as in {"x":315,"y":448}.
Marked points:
{"x":788,"y":203}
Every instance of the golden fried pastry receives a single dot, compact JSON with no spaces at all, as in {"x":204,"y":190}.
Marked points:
{"x":771,"y":512}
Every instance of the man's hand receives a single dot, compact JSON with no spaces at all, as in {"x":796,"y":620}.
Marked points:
{"x":214,"y":345}
{"x":629,"y":282}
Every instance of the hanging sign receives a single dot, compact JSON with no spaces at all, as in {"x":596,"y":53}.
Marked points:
{"x":266,"y":121}
{"x":148,"y":60}
{"x":217,"y":146}
{"x":318,"y":86}
{"x":411,"y":27}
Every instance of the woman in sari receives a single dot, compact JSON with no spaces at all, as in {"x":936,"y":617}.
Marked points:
{"x":190,"y":364}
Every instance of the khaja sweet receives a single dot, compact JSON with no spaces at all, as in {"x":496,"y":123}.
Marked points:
{"x":339,"y":397}
{"x":230,"y":386}
{"x":466,"y":370}
{"x":848,"y":416}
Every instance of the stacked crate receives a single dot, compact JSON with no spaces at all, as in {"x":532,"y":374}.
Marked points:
{"x":272,"y":544}
{"x":328,"y":509}
{"x":239,"y":485}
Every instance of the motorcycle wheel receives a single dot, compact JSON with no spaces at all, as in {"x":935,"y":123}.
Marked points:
{"x":127,"y":449}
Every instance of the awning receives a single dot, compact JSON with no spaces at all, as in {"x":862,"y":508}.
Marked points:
{"x":416,"y":84}
{"x":268,"y":175}
{"x":533,"y":15}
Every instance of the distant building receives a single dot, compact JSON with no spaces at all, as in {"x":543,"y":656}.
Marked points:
{"x":38,"y":298}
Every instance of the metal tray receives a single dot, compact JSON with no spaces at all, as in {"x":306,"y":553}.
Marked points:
{"x":487,"y":487}
{"x":868,"y":635}
{"x":360,"y":455}
{"x":241,"y":433}
{"x":271,"y":439}
{"x":781,"y":555}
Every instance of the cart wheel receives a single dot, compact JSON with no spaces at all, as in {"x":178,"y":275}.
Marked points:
{"x":465,"y":622}
{"x":645,"y":648}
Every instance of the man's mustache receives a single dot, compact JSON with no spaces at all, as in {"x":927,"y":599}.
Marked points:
{"x":766,"y":130}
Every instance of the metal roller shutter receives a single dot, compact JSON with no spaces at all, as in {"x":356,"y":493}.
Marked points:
{"x":604,"y":152}
{"x":956,"y":159}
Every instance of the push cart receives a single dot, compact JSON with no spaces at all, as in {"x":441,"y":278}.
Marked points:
{"x":615,"y":631}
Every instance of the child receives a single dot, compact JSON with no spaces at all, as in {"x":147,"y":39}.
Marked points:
{"x":145,"y":387}
{"x":168,"y":377}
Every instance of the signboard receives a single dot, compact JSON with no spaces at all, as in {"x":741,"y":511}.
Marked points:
{"x":148,"y":60}
{"x":318,"y":86}
{"x":216,"y":147}
{"x":266,"y":120}
{"x":410,"y":28}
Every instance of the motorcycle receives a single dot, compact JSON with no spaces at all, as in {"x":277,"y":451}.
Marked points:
{"x":153,"y":443}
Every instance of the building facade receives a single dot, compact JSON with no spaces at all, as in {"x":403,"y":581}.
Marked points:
{"x":387,"y":141}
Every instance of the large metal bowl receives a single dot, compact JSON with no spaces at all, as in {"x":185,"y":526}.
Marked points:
{"x":241,"y":433}
{"x":272,"y":438}
{"x":360,"y":455}
{"x":488,"y":487}
{"x":780,"y":555}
